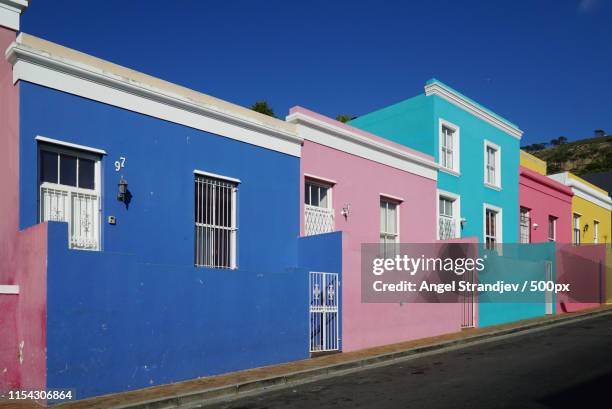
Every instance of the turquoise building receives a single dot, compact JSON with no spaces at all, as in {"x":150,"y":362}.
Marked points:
{"x":478,"y":153}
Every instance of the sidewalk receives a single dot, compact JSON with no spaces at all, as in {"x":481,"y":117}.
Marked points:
{"x":198,"y":390}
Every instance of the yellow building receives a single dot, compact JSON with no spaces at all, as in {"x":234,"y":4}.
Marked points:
{"x":591,"y":208}
{"x":533,"y":163}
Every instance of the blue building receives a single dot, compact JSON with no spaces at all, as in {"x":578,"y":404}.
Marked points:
{"x":172,"y":242}
{"x":478,"y":154}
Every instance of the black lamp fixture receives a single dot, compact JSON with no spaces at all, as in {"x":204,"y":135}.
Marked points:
{"x":123,"y":188}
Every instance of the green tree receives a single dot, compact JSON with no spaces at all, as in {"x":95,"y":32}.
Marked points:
{"x":344,"y":118}
{"x":562,"y":140}
{"x":263,"y":108}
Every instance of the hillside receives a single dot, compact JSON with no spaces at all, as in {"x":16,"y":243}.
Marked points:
{"x":580,"y":157}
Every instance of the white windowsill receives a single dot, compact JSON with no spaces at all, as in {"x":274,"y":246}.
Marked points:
{"x":494,"y":187}
{"x":450,"y":171}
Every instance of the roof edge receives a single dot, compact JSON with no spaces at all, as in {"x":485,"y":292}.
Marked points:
{"x":53,"y":58}
{"x":435,"y":87}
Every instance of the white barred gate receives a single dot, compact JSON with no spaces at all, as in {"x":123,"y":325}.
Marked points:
{"x":323,"y":315}
{"x":468,"y":303}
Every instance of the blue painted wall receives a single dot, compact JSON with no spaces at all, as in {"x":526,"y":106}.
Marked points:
{"x":138,"y":313}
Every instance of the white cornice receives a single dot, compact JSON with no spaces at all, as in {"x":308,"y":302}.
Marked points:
{"x":327,"y":134}
{"x":10,"y":11}
{"x":460,"y":101}
{"x":42,"y":68}
{"x":583,"y":190}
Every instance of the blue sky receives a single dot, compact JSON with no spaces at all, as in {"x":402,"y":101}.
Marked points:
{"x":545,"y":65}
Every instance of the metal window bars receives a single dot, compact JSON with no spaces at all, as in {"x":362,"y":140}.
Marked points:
{"x":79,"y":209}
{"x":447,"y":227}
{"x":525,"y":227}
{"x":318,"y":220}
{"x":215,"y":222}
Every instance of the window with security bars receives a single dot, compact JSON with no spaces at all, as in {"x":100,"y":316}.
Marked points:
{"x":318,"y":209}
{"x":69,"y":192}
{"x":525,"y":226}
{"x":215,"y":222}
{"x":447,"y":224}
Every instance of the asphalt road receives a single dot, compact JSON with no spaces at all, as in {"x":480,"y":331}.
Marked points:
{"x":564,"y":367}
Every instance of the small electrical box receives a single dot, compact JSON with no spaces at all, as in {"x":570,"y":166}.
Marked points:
{"x":112,"y":220}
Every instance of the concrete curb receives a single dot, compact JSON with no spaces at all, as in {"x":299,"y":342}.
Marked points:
{"x":250,"y":387}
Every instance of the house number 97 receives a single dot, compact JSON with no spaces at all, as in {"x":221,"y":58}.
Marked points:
{"x":119,"y":163}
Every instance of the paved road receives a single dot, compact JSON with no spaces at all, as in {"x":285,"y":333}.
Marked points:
{"x":564,"y":367}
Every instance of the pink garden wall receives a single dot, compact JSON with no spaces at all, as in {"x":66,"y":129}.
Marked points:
{"x":360,"y":183}
{"x":544,"y":197}
{"x":22,"y":255}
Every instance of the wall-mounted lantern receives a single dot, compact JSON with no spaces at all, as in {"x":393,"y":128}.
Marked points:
{"x":586,"y":228}
{"x":346,"y":210}
{"x":535,"y":226}
{"x":123,"y":189}
{"x":463,"y":222}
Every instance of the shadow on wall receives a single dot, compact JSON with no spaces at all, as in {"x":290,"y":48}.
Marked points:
{"x":584,"y":269}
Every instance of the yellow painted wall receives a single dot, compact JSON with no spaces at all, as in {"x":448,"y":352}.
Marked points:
{"x":531,"y":162}
{"x":588,"y":213}
{"x":608,"y":274}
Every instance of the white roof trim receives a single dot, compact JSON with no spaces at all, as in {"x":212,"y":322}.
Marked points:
{"x":9,"y":289}
{"x":320,"y":179}
{"x":583,"y":190}
{"x":10,"y":11}
{"x":216,"y":176}
{"x":70,"y":145}
{"x":326,"y":134}
{"x":77,"y":78}
{"x":460,"y":101}
{"x":392,"y":197}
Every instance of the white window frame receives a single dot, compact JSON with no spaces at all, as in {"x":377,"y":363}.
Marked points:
{"x":456,"y":199}
{"x":456,"y":168}
{"x":79,"y":151}
{"x":499,"y":225}
{"x":498,"y":158}
{"x":528,"y":213}
{"x":554,"y":228}
{"x":233,"y":229}
{"x":319,"y":219}
{"x":576,"y":228}
{"x":387,"y":234}
{"x":320,"y":183}
{"x":595,"y":231}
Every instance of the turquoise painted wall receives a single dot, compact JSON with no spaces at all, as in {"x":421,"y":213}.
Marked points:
{"x":414,"y":123}
{"x":409,"y":122}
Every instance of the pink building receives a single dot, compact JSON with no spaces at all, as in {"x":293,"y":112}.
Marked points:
{"x":545,"y":208}
{"x":351,"y":180}
{"x":22,"y":253}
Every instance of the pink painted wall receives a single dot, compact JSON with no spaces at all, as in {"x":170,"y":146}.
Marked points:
{"x":22,"y":255}
{"x":360,"y":182}
{"x":544,"y":197}
{"x":584,"y":268}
